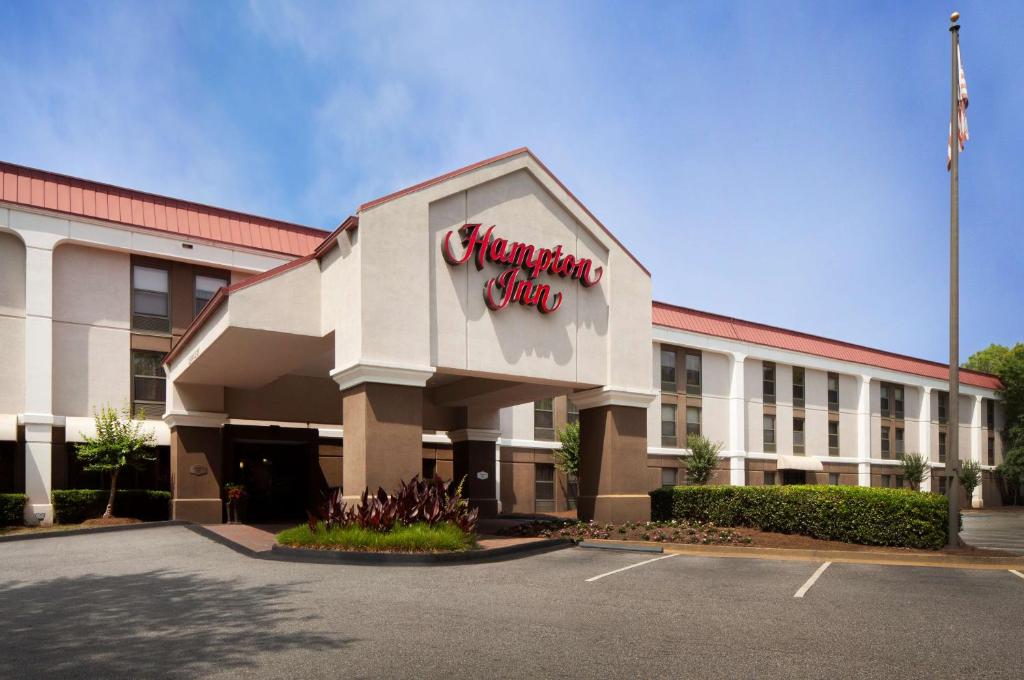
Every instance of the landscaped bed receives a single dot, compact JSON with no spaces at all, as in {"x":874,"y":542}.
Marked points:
{"x":419,"y":537}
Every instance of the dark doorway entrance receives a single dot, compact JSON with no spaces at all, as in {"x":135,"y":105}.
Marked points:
{"x":794,"y":477}
{"x":276,"y":480}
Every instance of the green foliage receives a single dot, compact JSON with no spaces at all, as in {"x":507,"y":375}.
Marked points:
{"x":1008,"y":364}
{"x":970,"y":476}
{"x":567,"y":456}
{"x":120,"y":442}
{"x":1012,"y":472}
{"x":915,"y":469}
{"x":895,"y":517}
{"x":419,"y":537}
{"x":703,"y":459}
{"x":12,"y":508}
{"x":73,"y":506}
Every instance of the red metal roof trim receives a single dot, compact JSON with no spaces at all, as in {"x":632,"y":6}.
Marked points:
{"x":509,"y":154}
{"x":85,"y":198}
{"x":705,"y":323}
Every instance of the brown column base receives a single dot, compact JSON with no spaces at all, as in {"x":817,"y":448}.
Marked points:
{"x":198,"y":510}
{"x":469,"y":459}
{"x":615,"y":509}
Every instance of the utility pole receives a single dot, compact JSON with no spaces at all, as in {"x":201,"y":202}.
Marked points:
{"x":953,"y":436}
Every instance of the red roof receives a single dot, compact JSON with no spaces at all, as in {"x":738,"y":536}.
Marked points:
{"x":60,"y":193}
{"x":759,"y":334}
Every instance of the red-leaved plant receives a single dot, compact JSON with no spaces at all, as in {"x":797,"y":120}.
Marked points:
{"x":428,"y":501}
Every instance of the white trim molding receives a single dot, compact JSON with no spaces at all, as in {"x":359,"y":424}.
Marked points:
{"x":469,"y":434}
{"x":529,"y":444}
{"x":387,"y":374}
{"x":195,"y":419}
{"x":613,"y":396}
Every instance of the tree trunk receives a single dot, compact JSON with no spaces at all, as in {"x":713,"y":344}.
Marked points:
{"x":109,"y":512}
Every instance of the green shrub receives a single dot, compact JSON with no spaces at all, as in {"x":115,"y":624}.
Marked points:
{"x":894,"y":517}
{"x":419,"y":537}
{"x":73,"y":506}
{"x":12,"y":508}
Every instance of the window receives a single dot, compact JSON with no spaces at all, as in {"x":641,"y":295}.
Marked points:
{"x":798,"y":435}
{"x":943,"y":406}
{"x":833,"y":438}
{"x":693,"y":373}
{"x":543,"y":420}
{"x":990,"y":414}
{"x":668,"y":370}
{"x":897,"y":397}
{"x":150,"y":299}
{"x":942,"y":484}
{"x":544,"y":488}
{"x":668,"y":425}
{"x":769,"y":434}
{"x":768,"y":382}
{"x":899,"y":481}
{"x":668,"y":476}
{"x":769,"y":478}
{"x":692,"y":420}
{"x":833,"y":478}
{"x":899,"y":442}
{"x":798,"y":386}
{"x":883,"y":399}
{"x":991,"y":450}
{"x":887,"y":481}
{"x":149,"y":384}
{"x":206,"y":288}
{"x":942,"y":447}
{"x":572,"y":412}
{"x":886,"y":446}
{"x":833,"y":392}
{"x":429,"y":468}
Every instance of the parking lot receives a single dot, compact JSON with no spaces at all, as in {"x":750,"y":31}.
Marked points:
{"x":165,"y":602}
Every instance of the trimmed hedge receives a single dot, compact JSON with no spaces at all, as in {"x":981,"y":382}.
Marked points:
{"x":893,"y":517}
{"x":73,"y":506}
{"x":12,"y":508}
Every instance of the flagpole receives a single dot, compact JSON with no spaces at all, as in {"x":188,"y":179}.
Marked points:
{"x":953,"y":436}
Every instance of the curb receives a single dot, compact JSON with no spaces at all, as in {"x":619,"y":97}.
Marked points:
{"x":510,"y":552}
{"x":624,"y":546}
{"x":58,"y":533}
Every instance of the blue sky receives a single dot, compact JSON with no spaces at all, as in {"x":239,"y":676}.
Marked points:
{"x":780,"y":162}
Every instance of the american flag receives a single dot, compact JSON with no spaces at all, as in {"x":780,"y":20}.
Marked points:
{"x":961,"y":114}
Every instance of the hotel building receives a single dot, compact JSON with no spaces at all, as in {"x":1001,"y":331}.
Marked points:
{"x":448,"y":328}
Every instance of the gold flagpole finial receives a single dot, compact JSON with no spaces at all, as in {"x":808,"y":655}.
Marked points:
{"x":954,"y":17}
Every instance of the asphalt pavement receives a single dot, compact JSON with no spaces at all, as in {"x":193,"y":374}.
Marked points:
{"x":165,"y":602}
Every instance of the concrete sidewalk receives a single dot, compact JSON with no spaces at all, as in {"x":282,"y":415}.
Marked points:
{"x":995,"y":529}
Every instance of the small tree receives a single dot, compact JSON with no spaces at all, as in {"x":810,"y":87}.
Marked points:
{"x":915,"y":469}
{"x":120,"y":442}
{"x":970,"y":476}
{"x":567,"y":458}
{"x":1011,"y":470}
{"x":703,"y":459}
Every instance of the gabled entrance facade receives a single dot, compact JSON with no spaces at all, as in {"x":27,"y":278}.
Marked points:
{"x":425,"y":317}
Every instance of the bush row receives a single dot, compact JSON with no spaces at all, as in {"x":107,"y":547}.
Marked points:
{"x":892,"y":517}
{"x":72,"y":506}
{"x":12,"y":508}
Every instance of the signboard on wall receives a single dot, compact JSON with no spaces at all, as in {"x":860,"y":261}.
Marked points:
{"x":523,"y":263}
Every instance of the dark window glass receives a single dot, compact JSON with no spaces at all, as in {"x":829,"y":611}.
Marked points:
{"x":149,"y":384}
{"x":543,"y":420}
{"x":692,"y":420}
{"x":206,"y":287}
{"x":990,"y":414}
{"x":668,"y":425}
{"x":429,"y":468}
{"x":897,"y":396}
{"x":991,"y":450}
{"x":693,"y":373}
{"x":798,"y":386}
{"x":769,"y":479}
{"x":544,"y":487}
{"x":768,"y":382}
{"x":942,"y":484}
{"x":883,"y":399}
{"x":885,"y":443}
{"x":150,"y":299}
{"x":942,"y":447}
{"x":668,"y":476}
{"x":833,"y":438}
{"x":769,"y":434}
{"x":943,"y":406}
{"x":833,"y":391}
{"x":572,"y":412}
{"x":887,"y":481}
{"x":833,"y":478}
{"x":899,"y":481}
{"x":668,"y":370}
{"x":798,"y":435}
{"x":899,"y":441}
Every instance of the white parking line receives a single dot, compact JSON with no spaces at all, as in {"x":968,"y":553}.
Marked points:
{"x":810,"y":582}
{"x":1014,"y":571}
{"x":638,"y":564}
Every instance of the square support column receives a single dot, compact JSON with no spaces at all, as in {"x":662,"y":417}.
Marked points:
{"x":613,"y":484}
{"x":737,"y":420}
{"x":197,"y":470}
{"x":977,"y":499}
{"x":474,"y":456}
{"x":383,"y":437}
{"x":924,"y":437}
{"x":38,"y":473}
{"x":864,"y":431}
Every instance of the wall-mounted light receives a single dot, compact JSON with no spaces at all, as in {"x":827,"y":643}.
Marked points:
{"x":187,"y":246}
{"x":241,"y":464}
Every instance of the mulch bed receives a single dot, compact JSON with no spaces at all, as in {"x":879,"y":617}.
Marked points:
{"x":110,"y":521}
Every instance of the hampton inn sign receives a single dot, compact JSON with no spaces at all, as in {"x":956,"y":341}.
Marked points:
{"x":518,"y":258}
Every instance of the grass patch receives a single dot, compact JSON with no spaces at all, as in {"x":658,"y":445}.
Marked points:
{"x":412,"y":538}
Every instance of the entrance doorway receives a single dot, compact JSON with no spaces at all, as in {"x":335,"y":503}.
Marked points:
{"x":276,"y":480}
{"x":794,"y":477}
